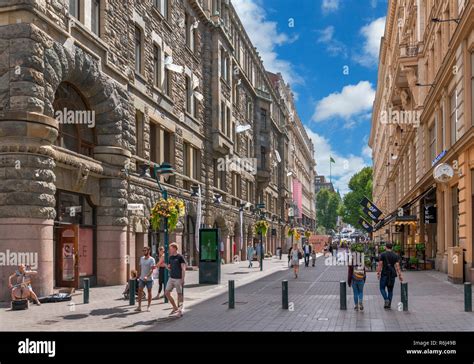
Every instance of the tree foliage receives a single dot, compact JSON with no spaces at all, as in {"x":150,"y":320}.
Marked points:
{"x":360,"y":186}
{"x":327,"y":207}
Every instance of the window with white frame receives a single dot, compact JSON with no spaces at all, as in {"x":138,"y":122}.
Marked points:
{"x":163,"y":7}
{"x":74,"y":8}
{"x":95,"y":17}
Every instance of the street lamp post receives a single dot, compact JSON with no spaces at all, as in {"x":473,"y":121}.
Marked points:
{"x":261,"y":214}
{"x":159,"y":170}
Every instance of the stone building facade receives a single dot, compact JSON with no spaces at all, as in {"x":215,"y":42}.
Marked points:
{"x":151,"y":81}
{"x":423,"y":117}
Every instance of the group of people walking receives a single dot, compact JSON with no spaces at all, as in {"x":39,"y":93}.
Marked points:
{"x":388,"y":269}
{"x":296,"y":253}
{"x":149,"y":271}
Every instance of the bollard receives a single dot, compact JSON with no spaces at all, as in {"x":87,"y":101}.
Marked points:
{"x":86,"y":286}
{"x":284,"y":295}
{"x":231,"y":294}
{"x":467,"y":296}
{"x":404,"y":294}
{"x":131,"y":291}
{"x":342,"y":291}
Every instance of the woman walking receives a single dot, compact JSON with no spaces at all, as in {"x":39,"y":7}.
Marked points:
{"x":161,"y":270}
{"x":356,"y":277}
{"x":296,"y":255}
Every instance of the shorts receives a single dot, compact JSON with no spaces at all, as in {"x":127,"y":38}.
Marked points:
{"x":148,"y":283}
{"x":174,"y":283}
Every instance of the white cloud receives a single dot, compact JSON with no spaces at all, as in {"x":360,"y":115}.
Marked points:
{"x":352,"y":101}
{"x":329,"y":6}
{"x":341,"y":171}
{"x":367,"y":152}
{"x":333,"y":46}
{"x":372,"y":33}
{"x":265,"y":36}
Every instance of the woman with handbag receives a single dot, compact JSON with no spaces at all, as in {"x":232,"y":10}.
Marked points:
{"x":296,"y":255}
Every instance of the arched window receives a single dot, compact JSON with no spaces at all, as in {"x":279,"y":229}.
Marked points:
{"x":76,"y":121}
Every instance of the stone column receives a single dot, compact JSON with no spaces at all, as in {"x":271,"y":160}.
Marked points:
{"x":27,"y":203}
{"x":112,"y":221}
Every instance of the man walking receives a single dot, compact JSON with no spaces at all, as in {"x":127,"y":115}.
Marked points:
{"x":387,"y":270}
{"x":307,"y":253}
{"x":177,"y":269}
{"x":147,"y":264}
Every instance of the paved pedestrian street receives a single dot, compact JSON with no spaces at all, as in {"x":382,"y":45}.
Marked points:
{"x":434,"y":305}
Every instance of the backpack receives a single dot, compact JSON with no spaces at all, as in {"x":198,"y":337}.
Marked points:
{"x":300,"y":255}
{"x":390,"y":272}
{"x":358,"y":272}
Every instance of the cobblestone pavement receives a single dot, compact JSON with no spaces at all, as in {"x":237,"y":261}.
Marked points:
{"x":434,"y":305}
{"x":108,"y":311}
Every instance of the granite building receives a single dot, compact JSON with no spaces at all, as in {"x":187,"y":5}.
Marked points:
{"x":94,"y":93}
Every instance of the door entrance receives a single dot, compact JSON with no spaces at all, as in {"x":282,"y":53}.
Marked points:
{"x":68,"y":258}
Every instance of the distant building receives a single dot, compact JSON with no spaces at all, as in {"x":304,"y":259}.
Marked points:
{"x":320,"y":183}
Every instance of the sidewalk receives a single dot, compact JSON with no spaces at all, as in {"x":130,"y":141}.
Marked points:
{"x":434,"y":305}
{"x":108,"y":311}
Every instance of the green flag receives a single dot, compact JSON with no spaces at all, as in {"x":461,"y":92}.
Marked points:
{"x":331,"y":160}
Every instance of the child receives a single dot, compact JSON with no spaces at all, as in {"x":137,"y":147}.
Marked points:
{"x":133,"y":275}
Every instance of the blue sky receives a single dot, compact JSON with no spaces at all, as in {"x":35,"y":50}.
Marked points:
{"x":327,"y":50}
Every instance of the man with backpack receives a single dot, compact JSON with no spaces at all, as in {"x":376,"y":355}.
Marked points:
{"x":387,"y":270}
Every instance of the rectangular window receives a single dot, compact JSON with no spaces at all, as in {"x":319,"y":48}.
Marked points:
{"x":162,"y":6}
{"x":139,"y":120}
{"x":157,"y":66}
{"x":74,"y":6}
{"x":223,"y":123}
{"x":453,"y":117}
{"x":138,"y":50}
{"x":455,"y":214}
{"x":95,"y":17}
{"x":229,"y":122}
{"x":224,"y":65}
{"x":432,"y":139}
{"x":154,"y":135}
{"x":189,"y":95}
{"x":167,"y":80}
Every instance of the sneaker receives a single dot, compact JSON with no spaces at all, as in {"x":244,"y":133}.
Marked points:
{"x":138,"y":309}
{"x":356,"y":308}
{"x":361,"y":307}
{"x":387,"y":304}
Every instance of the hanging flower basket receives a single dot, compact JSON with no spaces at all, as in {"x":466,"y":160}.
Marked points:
{"x":261,"y":227}
{"x":307,"y":234}
{"x":297,"y":235}
{"x":420,"y":247}
{"x":291,"y":232}
{"x":170,"y":208}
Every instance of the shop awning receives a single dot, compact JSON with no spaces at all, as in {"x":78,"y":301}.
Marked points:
{"x":394,"y":215}
{"x":406,"y":220}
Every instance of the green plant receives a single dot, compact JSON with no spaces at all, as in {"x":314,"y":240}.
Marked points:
{"x":358,"y":247}
{"x":368,"y":262}
{"x":381,"y":248}
{"x":397,"y":248}
{"x":413,"y":260}
{"x":420,"y":247}
{"x":170,"y":208}
{"x":261,"y":227}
